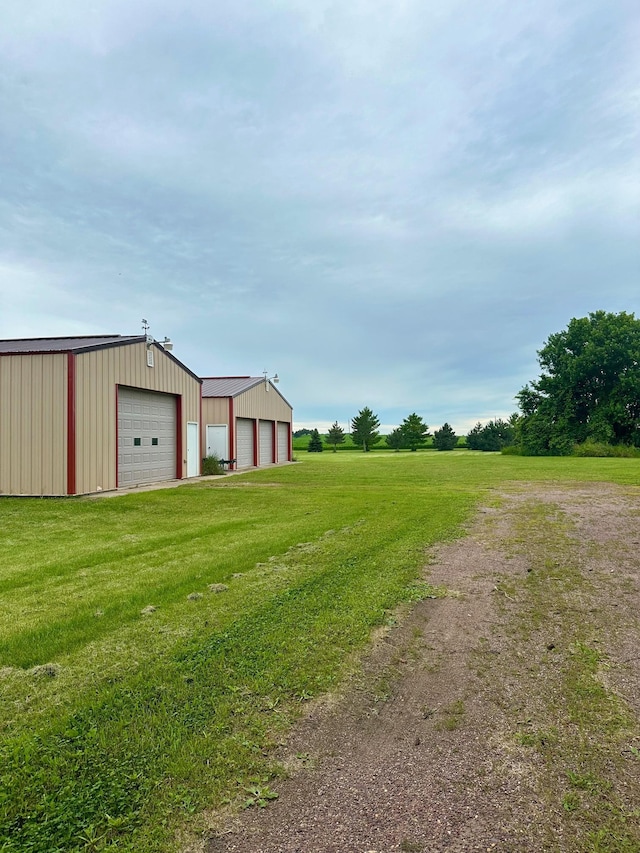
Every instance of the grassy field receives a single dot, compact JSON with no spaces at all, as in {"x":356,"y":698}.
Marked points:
{"x":155,"y":647}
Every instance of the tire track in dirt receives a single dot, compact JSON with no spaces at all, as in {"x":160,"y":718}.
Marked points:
{"x":420,"y":752}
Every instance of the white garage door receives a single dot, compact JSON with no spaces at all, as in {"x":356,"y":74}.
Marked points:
{"x":283,"y":442}
{"x":147,"y":437}
{"x":244,"y":442}
{"x":266,"y":442}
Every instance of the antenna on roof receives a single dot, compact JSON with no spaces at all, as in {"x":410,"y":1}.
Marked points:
{"x":268,"y":379}
{"x":145,"y":325}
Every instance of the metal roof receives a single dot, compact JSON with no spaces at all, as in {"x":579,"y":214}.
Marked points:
{"x":76,"y":344}
{"x":232,"y":386}
{"x":228,"y":386}
{"x":85,"y":343}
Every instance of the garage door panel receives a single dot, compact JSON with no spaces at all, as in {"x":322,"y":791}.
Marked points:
{"x":244,"y":442}
{"x":283,"y":442}
{"x":142,"y":417}
{"x":266,"y":442}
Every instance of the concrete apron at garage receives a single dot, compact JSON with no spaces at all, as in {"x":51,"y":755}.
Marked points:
{"x":171,"y":484}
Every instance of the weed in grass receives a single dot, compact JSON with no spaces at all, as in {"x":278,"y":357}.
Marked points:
{"x":260,"y":796}
{"x":408,"y":846}
{"x":571,"y":801}
{"x":452,"y":716}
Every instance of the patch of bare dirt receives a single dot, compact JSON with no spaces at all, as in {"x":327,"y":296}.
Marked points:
{"x":421,"y":754}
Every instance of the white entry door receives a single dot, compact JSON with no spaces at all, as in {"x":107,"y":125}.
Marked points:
{"x":218,"y":440}
{"x":193,"y":446}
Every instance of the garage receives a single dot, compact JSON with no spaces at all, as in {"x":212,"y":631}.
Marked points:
{"x":245,"y":456}
{"x":147,"y":436}
{"x":256,"y":416}
{"x":88,"y":414}
{"x":266,"y":443}
{"x":283,"y":442}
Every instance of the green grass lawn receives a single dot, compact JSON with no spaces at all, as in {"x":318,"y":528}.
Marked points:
{"x":144,"y":719}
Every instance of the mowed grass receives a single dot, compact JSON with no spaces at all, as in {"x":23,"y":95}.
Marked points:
{"x":150,"y":718}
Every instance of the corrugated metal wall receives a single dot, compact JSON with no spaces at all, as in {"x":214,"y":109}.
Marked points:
{"x":262,"y":404}
{"x":215,"y":410}
{"x":97,"y":375}
{"x":256,"y":404}
{"x":33,"y":424}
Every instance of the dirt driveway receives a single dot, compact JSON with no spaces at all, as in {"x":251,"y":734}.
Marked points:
{"x":502,"y":717}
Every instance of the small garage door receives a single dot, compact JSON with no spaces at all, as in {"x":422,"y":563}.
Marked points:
{"x":244,"y":443}
{"x":147,"y":437}
{"x":266,"y":442}
{"x":283,"y":442}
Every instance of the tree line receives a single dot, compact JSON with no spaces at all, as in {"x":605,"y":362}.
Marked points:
{"x":412,"y":434}
{"x":587,"y":396}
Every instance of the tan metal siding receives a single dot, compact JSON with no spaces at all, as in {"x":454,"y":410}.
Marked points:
{"x":97,"y":375}
{"x":215,"y":410}
{"x":33,"y":424}
{"x":259,"y":403}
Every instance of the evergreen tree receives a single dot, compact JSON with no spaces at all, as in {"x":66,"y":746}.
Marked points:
{"x":445,"y":438}
{"x":414,"y":431}
{"x":364,"y":429}
{"x":492,"y":437}
{"x":395,"y":439}
{"x":335,"y":436}
{"x":315,"y":443}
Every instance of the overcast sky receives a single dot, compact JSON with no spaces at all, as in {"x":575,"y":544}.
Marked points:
{"x":390,"y":203}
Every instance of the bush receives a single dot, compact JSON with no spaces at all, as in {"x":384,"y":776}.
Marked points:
{"x":601,"y":448}
{"x":211,"y":465}
{"x":512,"y":450}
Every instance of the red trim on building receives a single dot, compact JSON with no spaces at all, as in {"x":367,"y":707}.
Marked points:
{"x":256,"y":441}
{"x":202,"y":450}
{"x":71,"y":423}
{"x":117,"y":445}
{"x":179,"y":452}
{"x":232,"y":433}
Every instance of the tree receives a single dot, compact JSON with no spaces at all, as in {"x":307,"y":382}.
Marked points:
{"x":300,"y":432}
{"x":492,"y":437}
{"x":589,"y":387}
{"x":364,"y":429}
{"x":315,"y":443}
{"x":335,"y":436}
{"x":445,"y":438}
{"x":414,"y":431}
{"x":395,"y":439}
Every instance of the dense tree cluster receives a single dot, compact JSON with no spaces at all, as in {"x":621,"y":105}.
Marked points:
{"x":589,"y":387}
{"x":492,"y":436}
{"x":410,"y":435}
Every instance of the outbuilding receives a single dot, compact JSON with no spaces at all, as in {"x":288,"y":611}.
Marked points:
{"x":86,"y":414}
{"x":246,"y":420}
